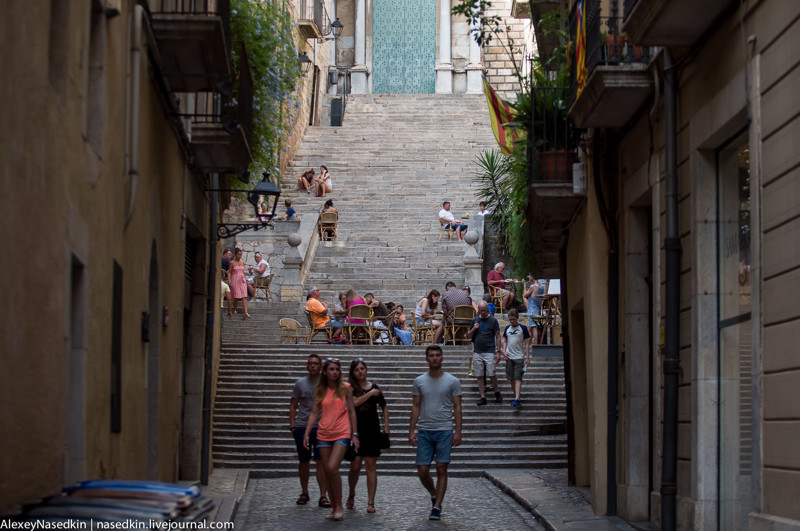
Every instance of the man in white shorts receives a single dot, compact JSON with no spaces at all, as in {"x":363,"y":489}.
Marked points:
{"x":486,"y":351}
{"x":517,"y":346}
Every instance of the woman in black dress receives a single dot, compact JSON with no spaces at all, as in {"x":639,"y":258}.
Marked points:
{"x":366,"y":397}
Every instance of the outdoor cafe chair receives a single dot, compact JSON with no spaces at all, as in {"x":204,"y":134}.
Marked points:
{"x":292,"y":329}
{"x":313,"y":331}
{"x":263,"y":283}
{"x":328,"y":223}
{"x":359,"y":332}
{"x":462,"y":317}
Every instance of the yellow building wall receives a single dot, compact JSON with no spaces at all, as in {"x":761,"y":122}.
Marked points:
{"x":63,"y":198}
{"x":587,"y":282}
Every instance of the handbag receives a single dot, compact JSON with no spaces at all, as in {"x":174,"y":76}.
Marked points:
{"x":384,"y":442}
{"x":350,"y":454}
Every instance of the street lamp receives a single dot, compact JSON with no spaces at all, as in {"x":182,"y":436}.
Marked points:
{"x":337,"y":27}
{"x":305,"y":62}
{"x":265,"y":188}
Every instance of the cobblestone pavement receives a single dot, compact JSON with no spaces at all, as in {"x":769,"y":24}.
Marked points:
{"x":401,"y":502}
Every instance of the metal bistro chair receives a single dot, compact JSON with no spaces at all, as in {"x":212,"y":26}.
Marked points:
{"x":313,"y":330}
{"x":292,"y":329}
{"x":446,"y":234}
{"x":497,"y":300}
{"x":384,"y":335}
{"x":263,"y":283}
{"x":359,"y":332}
{"x":328,"y":222}
{"x":461,"y":322}
{"x":423,"y":335}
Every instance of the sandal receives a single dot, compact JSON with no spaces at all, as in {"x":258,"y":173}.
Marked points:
{"x":303,"y":499}
{"x":351,"y":502}
{"x":370,"y":508}
{"x":323,"y":502}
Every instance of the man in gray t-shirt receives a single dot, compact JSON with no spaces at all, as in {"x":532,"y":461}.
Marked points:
{"x":299,"y":411}
{"x":436,"y":405}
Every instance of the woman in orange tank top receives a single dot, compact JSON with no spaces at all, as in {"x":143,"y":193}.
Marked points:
{"x":333,"y":405}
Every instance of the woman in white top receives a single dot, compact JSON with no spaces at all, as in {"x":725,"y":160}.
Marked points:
{"x":425,"y":311}
{"x":324,"y":182}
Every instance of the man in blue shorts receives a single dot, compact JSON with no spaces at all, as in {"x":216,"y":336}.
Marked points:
{"x":299,"y":411}
{"x":437,"y":403}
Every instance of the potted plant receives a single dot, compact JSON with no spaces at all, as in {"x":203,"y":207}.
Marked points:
{"x":543,"y":112}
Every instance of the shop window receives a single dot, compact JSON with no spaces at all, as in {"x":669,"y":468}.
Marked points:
{"x":735,"y":334}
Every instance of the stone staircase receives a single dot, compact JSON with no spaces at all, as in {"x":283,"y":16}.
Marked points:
{"x":393,"y":162}
{"x":255,"y":385}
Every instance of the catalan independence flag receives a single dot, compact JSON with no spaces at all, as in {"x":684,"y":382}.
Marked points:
{"x":581,"y":71}
{"x":500,"y":114}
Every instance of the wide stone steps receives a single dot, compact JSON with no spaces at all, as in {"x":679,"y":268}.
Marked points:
{"x":394,"y":161}
{"x":255,"y":381}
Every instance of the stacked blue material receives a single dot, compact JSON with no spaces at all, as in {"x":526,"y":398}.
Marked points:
{"x":131,"y":504}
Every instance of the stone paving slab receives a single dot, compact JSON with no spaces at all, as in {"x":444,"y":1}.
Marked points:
{"x":472,"y":504}
{"x":546,"y":494}
{"x":506,"y":499}
{"x":226,"y":486}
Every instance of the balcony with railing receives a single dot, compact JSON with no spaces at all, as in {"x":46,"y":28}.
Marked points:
{"x":618,"y":82}
{"x":193,"y":38}
{"x":552,"y":151}
{"x":311,"y":19}
{"x":671,"y":22}
{"x":220,"y":125}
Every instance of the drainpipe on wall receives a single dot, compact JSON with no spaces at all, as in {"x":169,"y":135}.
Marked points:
{"x":133,"y":111}
{"x":613,"y":382}
{"x":209,"y":353}
{"x":672,"y":246}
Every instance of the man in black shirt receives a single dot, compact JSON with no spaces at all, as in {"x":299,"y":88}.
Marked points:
{"x":486,"y":350}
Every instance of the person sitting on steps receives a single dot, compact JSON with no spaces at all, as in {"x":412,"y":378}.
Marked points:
{"x":323,"y":184}
{"x":450,"y":222}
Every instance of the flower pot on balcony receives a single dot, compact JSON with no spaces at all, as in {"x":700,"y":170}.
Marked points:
{"x":615,"y":44}
{"x":557,"y":165}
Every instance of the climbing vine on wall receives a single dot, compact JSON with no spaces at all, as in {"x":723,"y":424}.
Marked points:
{"x":265,"y":27}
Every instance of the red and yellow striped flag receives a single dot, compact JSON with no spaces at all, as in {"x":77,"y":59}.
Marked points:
{"x":582,"y":74}
{"x":500,"y":114}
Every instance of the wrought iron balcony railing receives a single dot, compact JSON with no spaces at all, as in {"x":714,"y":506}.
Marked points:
{"x":230,"y":111}
{"x":628,"y":7}
{"x":209,"y":8}
{"x":605,"y":44}
{"x":553,"y":138}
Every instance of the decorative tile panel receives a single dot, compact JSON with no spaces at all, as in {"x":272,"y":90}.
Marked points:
{"x":404,"y":46}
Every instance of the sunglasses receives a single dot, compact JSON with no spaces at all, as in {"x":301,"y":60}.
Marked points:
{"x":358,"y":359}
{"x":334,"y":360}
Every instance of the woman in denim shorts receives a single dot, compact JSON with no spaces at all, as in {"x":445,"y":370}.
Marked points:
{"x":333,"y":404}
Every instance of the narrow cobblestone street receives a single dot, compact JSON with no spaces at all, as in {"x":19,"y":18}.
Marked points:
{"x":401,"y":503}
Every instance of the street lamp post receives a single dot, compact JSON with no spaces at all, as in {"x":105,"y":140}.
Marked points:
{"x":265,"y":188}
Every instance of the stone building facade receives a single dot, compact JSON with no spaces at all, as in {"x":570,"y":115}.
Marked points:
{"x":107,"y":146}
{"x":684,"y":243}
{"x":417,"y":46}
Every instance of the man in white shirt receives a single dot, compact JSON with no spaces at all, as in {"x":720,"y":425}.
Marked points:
{"x":450,"y":222}
{"x":261,"y":269}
